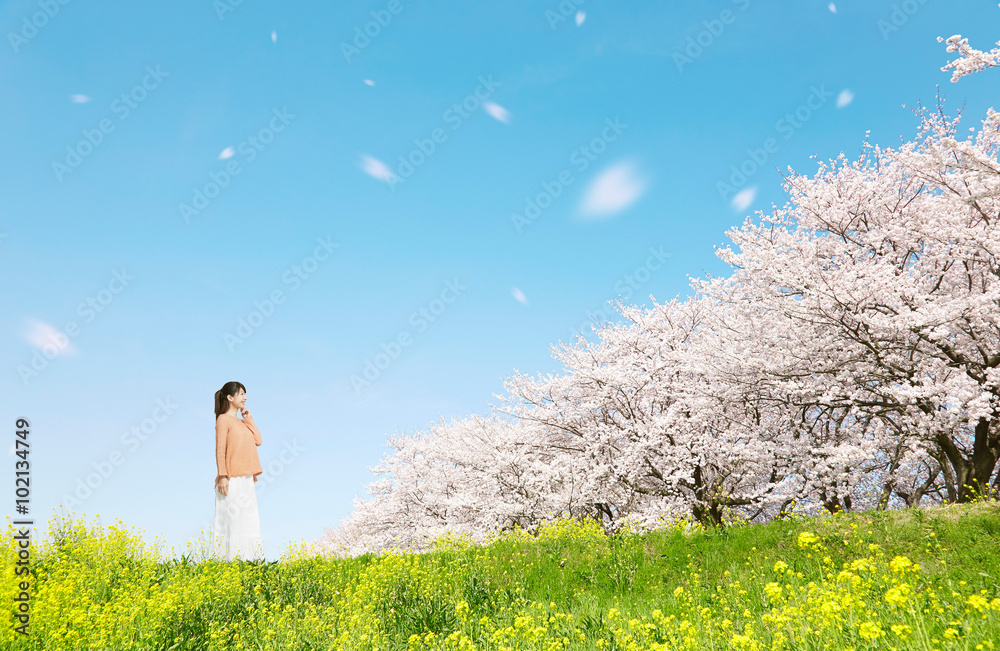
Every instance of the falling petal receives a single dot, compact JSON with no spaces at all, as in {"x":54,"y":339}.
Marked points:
{"x":376,"y":168}
{"x":369,"y":82}
{"x":744,"y":198}
{"x":226,"y":153}
{"x":845,"y":98}
{"x":44,"y":337}
{"x":519,"y":295}
{"x":832,"y":7}
{"x":580,"y":17}
{"x":614,"y":189}
{"x":497,"y":111}
{"x":274,"y":36}
{"x":79,"y":99}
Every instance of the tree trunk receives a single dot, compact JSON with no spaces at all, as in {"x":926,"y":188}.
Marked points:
{"x":968,"y":477}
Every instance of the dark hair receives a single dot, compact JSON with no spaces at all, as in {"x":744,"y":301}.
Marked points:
{"x":228,"y":389}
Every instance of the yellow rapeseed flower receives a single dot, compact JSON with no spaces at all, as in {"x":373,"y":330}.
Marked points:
{"x":870,"y":631}
{"x":900,"y":564}
{"x":807,"y":539}
{"x":902,"y":631}
{"x":896,"y":595}
{"x":977,"y":602}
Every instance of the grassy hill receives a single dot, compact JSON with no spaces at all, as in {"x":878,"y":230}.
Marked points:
{"x":911,"y":579}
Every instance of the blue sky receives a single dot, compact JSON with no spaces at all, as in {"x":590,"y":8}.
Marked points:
{"x":117,"y":115}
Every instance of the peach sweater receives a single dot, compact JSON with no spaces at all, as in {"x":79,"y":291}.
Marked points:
{"x":236,"y":442}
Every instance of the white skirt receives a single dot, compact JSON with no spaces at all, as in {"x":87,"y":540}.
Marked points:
{"x":237,"y":522}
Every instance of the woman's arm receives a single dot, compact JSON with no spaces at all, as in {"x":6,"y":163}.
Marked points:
{"x":248,"y":419}
{"x":221,"y":434}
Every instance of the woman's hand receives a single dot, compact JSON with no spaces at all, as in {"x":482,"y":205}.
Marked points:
{"x":245,"y":412}
{"x":224,"y":486}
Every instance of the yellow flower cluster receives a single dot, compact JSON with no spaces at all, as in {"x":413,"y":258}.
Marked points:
{"x":103,"y":589}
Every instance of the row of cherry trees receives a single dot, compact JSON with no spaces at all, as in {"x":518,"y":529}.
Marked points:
{"x":850,"y":361}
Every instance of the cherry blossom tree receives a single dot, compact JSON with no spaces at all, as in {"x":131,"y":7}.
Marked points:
{"x":475,"y":476}
{"x":891,"y":263}
{"x":656,"y":435}
{"x":970,"y":60}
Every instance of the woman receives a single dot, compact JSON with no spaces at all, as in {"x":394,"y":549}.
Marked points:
{"x":237,"y":522}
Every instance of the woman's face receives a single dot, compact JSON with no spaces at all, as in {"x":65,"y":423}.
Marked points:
{"x":239,"y":399}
